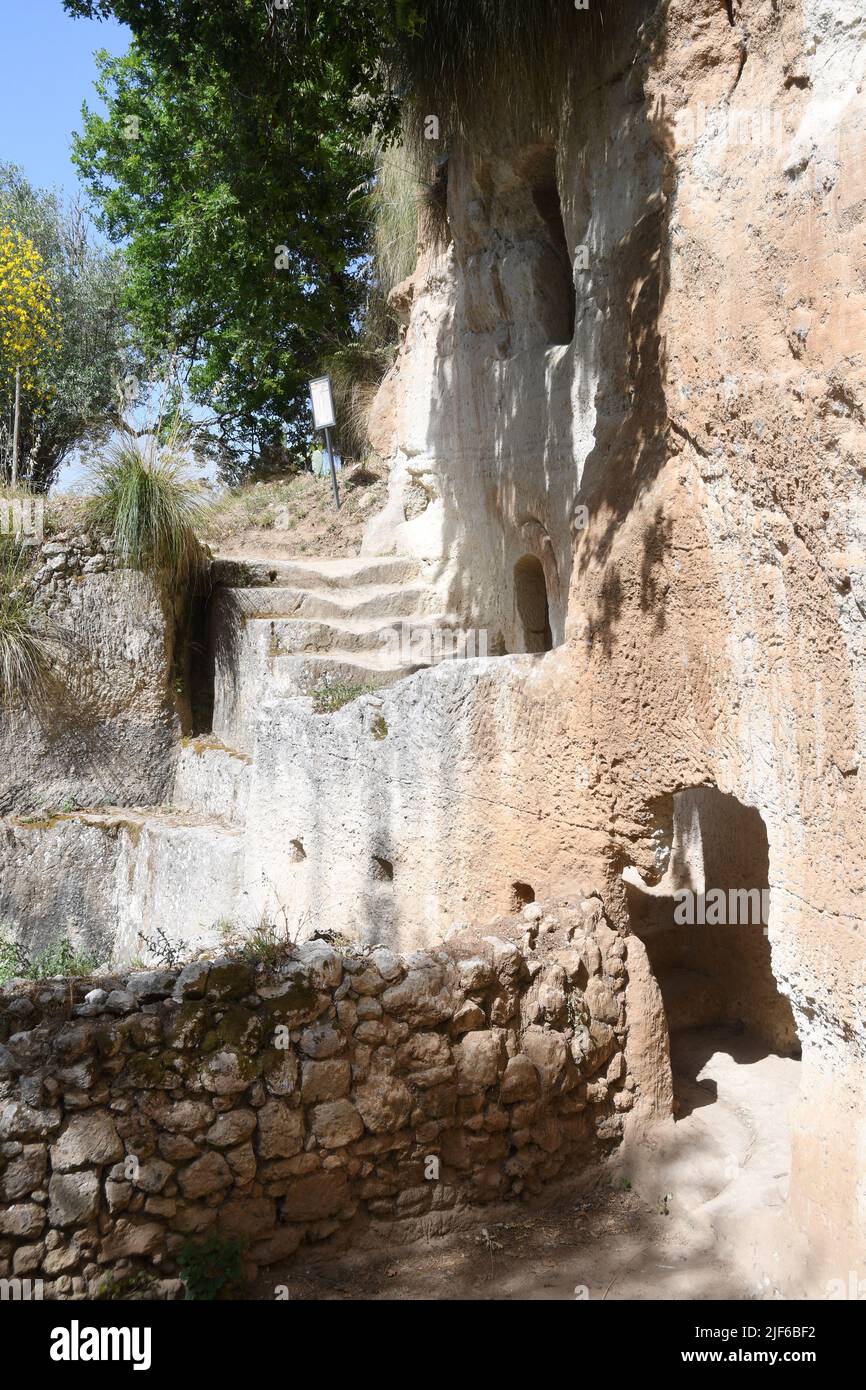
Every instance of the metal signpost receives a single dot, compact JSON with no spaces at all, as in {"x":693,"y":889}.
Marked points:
{"x":324,"y":419}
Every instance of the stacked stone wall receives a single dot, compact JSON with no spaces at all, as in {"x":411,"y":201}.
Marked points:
{"x":303,"y":1100}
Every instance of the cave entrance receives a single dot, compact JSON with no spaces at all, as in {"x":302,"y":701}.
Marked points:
{"x":533,"y":611}
{"x":705,"y":923}
{"x":734,"y":1050}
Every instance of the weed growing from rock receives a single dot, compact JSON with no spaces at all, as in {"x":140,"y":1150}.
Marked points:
{"x":328,"y":698}
{"x":60,"y":958}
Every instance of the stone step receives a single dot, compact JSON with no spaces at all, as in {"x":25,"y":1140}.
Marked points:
{"x":422,"y":639}
{"x":314,"y":574}
{"x":280,"y":629}
{"x":365,"y":601}
{"x":302,"y":673}
{"x":253,"y":675}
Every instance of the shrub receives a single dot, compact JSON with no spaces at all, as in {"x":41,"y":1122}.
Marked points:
{"x":9,"y":958}
{"x":27,"y":644}
{"x":60,"y":958}
{"x":211,"y":1268}
{"x":145,"y":500}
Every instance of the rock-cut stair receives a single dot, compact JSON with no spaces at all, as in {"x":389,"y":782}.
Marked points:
{"x":277,"y":629}
{"x":281,"y":628}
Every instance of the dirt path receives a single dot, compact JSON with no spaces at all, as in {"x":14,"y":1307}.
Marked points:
{"x":697,"y":1218}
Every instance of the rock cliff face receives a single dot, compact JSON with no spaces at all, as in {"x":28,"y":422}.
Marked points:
{"x":103,"y":733}
{"x":107,"y":730}
{"x":708,"y":412}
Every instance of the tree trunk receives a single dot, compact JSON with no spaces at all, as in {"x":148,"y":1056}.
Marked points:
{"x":15,"y":427}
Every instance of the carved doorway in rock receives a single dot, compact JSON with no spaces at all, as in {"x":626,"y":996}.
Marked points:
{"x":730,"y":1029}
{"x":533,"y":610}
{"x":705,"y":923}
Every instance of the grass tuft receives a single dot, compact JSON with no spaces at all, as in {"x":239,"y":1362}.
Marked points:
{"x":356,"y":372}
{"x":146,"y":501}
{"x":27,"y":646}
{"x":393,"y":207}
{"x":503,"y":67}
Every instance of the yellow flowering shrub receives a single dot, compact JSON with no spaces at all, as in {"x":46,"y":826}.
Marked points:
{"x":28,"y":330}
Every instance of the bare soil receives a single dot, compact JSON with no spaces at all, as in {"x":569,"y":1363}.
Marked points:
{"x":296,"y":516}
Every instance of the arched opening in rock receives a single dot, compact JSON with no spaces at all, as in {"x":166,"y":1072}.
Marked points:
{"x":533,"y":612}
{"x":554,"y":275}
{"x":705,"y":923}
{"x":734,"y":1050}
{"x":521,"y":894}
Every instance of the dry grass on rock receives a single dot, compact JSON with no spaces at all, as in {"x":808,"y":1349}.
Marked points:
{"x":295,"y":515}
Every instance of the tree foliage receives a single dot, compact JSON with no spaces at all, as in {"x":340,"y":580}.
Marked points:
{"x":85,"y":350}
{"x":27,"y":331}
{"x":235,"y":158}
{"x":237,"y":127}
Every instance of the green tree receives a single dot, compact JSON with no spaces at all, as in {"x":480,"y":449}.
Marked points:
{"x":235,"y":160}
{"x":76,"y":403}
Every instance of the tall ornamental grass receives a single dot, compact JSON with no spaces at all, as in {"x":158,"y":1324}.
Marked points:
{"x":145,"y":499}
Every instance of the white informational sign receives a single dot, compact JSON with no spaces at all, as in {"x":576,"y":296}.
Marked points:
{"x":323,"y":403}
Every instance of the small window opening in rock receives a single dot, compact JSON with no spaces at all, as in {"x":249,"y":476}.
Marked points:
{"x":521,"y":894}
{"x":298,"y":851}
{"x":383,"y":869}
{"x":533,"y":612}
{"x":558,"y":276}
{"x":201,"y":665}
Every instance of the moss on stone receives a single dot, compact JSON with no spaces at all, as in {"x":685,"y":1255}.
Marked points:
{"x":302,"y":1003}
{"x":230,"y":979}
{"x":187,"y":1025}
{"x":148,"y":1073}
{"x":241,"y":1028}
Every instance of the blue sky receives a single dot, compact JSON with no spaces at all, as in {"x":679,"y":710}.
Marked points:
{"x":48,"y":70}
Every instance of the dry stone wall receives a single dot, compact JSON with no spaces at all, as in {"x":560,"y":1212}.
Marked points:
{"x":311,"y":1100}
